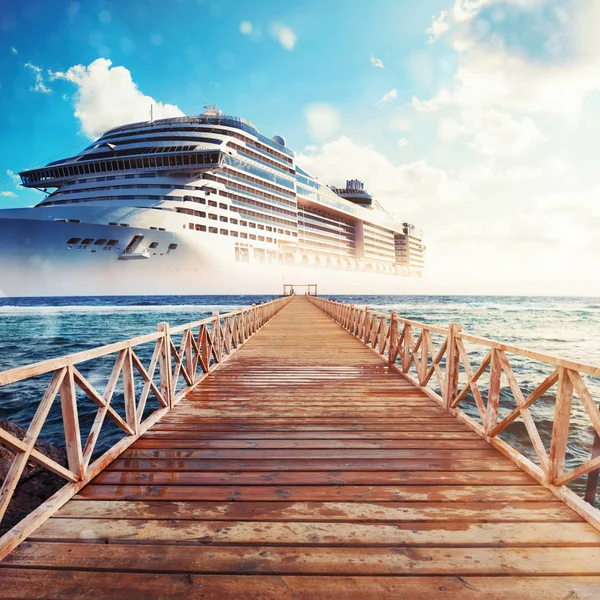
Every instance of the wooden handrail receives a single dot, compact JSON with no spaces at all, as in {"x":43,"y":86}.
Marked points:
{"x":204,"y":345}
{"x":446,"y":375}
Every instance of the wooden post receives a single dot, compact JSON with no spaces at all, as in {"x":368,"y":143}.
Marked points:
{"x":366,"y":326}
{"x":393,"y":347}
{"x":216,"y":336}
{"x":562,"y":420}
{"x":423,"y":364}
{"x":406,"y":348}
{"x":68,"y":403}
{"x":592,"y":478}
{"x":452,"y":364}
{"x":164,"y":365}
{"x":493,"y":401}
{"x":129,"y":392}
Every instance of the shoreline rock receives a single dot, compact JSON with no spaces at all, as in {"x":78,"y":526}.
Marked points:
{"x":37,"y":483}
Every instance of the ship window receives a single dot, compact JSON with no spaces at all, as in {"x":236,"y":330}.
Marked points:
{"x":243,"y":235}
{"x":161,"y":229}
{"x":153,"y":227}
{"x":261,"y":226}
{"x":74,"y":241}
{"x":224,"y":219}
{"x":212,"y":203}
{"x":60,"y":220}
{"x":113,"y":223}
{"x":261,"y":238}
{"x":154,"y":245}
{"x":86,"y":241}
{"x":212,"y":217}
{"x":200,"y":227}
{"x":99,"y":242}
{"x":74,"y":221}
{"x":233,"y":233}
{"x":191,"y":226}
{"x":224,"y":232}
{"x":269,"y":240}
{"x":269,"y":228}
{"x":172,"y":246}
{"x":223,"y":206}
{"x":112,"y":242}
{"x":280,"y":231}
{"x":252,"y":236}
{"x":244,"y":223}
{"x":233,"y":221}
{"x":124,"y":224}
{"x":213,"y":230}
{"x":254,"y":225}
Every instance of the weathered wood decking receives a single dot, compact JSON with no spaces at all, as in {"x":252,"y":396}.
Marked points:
{"x":305,"y":468}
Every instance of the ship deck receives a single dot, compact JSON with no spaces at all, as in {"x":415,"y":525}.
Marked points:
{"x":305,"y":467}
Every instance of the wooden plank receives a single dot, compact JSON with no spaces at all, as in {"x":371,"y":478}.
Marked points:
{"x":483,"y":454}
{"x":311,"y":560}
{"x":314,"y":478}
{"x":74,"y":585}
{"x":308,"y":493}
{"x":334,"y":511}
{"x":322,"y":444}
{"x":410,"y":464}
{"x":450,"y":534}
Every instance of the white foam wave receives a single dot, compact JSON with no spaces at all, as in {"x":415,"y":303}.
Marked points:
{"x":11,"y":310}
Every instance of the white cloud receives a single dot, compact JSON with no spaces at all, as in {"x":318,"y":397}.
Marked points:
{"x":438,"y":27}
{"x":14,"y":50}
{"x":16,"y":179}
{"x":322,"y":120}
{"x":376,"y":62}
{"x":494,"y":134}
{"x":406,"y":189}
{"x":40,"y":86}
{"x":107,"y":96}
{"x":402,"y":142}
{"x":497,"y":134}
{"x":494,"y":73}
{"x":8,"y":194}
{"x":246,"y":27}
{"x":284,"y":35}
{"x":387,"y":97}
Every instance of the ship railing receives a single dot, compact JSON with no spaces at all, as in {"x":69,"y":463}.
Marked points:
{"x":535,"y":408}
{"x":119,"y":390}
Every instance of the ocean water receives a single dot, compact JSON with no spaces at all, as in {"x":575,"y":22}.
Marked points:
{"x":35,"y":329}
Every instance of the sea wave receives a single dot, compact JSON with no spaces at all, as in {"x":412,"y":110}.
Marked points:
{"x":108,"y":309}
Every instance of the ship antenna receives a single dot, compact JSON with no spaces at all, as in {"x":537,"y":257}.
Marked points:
{"x":151,"y":115}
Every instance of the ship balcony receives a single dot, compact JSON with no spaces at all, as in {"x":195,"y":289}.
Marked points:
{"x":57,"y":174}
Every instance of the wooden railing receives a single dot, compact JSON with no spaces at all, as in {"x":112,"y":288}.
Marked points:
{"x":181,"y":364}
{"x":437,"y":361}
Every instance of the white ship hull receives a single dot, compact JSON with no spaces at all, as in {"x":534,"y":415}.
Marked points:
{"x":36,"y":261}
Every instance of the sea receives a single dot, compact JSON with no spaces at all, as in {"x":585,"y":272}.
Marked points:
{"x":35,"y":329}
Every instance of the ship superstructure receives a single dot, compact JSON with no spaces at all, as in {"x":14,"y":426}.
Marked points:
{"x":152,"y":201}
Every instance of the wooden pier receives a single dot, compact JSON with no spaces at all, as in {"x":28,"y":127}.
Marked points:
{"x":305,"y":466}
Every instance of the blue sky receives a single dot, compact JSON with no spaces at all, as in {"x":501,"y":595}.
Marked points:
{"x":476,"y":119}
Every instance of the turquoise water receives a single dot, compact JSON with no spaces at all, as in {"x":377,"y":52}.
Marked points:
{"x":35,"y":329}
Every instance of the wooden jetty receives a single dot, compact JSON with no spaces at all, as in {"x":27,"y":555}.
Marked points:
{"x":306,"y":466}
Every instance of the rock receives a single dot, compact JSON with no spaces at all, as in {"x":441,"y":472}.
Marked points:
{"x":36,"y":485}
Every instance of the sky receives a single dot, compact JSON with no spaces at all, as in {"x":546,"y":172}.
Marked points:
{"x":477,"y":120}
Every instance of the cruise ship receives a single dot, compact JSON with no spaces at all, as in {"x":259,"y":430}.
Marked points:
{"x":198,"y":205}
